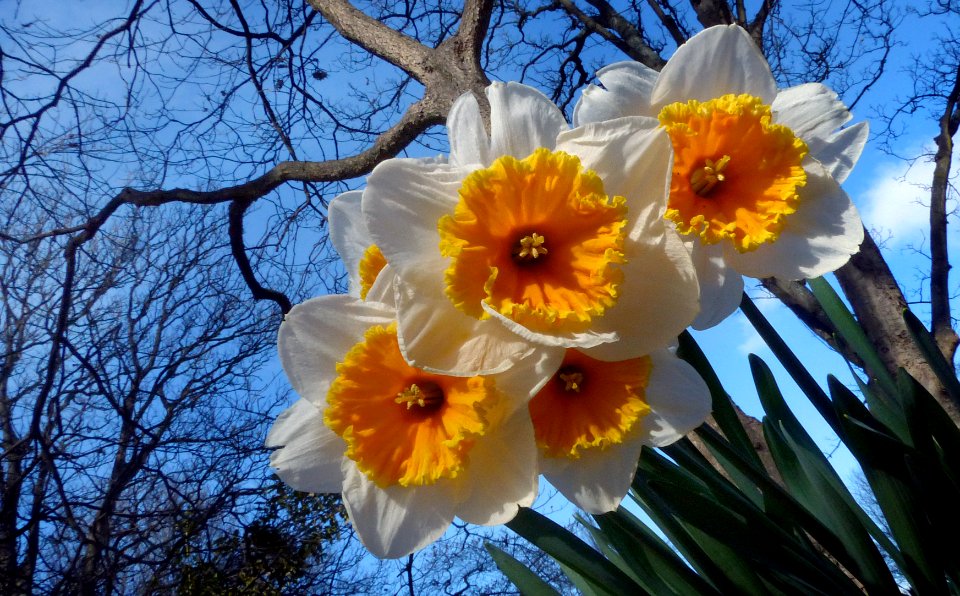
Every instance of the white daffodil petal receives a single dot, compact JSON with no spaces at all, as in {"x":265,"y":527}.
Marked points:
{"x":626,"y":92}
{"x":348,"y":233}
{"x":714,"y":62}
{"x":659,"y":297}
{"x":503,"y":472}
{"x":437,"y":337}
{"x":310,"y":454}
{"x":395,"y":521}
{"x":679,"y":400}
{"x":721,"y":287}
{"x":402,"y":203}
{"x":812,"y":111}
{"x":521,"y":120}
{"x":599,"y":479}
{"x":568,"y":339}
{"x":316,"y":334}
{"x":469,"y":140}
{"x":843,"y":149}
{"x":633,"y":157}
{"x":382,"y":290}
{"x":819,"y":238}
{"x":524,"y":380}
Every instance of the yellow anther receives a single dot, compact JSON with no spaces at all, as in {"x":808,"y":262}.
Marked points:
{"x":426,"y":395}
{"x":530,"y":248}
{"x":705,"y":178}
{"x":573,"y":381}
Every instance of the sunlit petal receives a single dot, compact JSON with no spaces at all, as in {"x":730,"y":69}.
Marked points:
{"x":679,"y":400}
{"x":712,"y":63}
{"x":626,"y":91}
{"x":469,"y":140}
{"x":820,"y":237}
{"x":316,"y":334}
{"x":501,"y":481}
{"x":396,"y":521}
{"x":348,"y":233}
{"x":659,"y":297}
{"x":310,"y":454}
{"x":721,"y":286}
{"x":521,"y":120}
{"x":436,"y":336}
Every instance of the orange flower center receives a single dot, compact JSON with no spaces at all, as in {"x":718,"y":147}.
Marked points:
{"x":589,"y":404}
{"x":403,"y":425}
{"x":736,"y":175}
{"x":536,"y":239}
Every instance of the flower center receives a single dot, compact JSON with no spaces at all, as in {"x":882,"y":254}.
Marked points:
{"x":371,"y":264}
{"x":706,"y":177}
{"x":589,"y":404}
{"x":496,"y":239}
{"x":571,"y":378}
{"x":736,"y":175}
{"x":427,"y":397}
{"x":529,"y":248}
{"x":403,"y":425}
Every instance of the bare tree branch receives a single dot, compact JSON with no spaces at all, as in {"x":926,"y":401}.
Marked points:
{"x":712,"y":12}
{"x":941,"y":323}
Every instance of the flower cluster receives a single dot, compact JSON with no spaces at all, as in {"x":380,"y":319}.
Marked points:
{"x":512,"y":308}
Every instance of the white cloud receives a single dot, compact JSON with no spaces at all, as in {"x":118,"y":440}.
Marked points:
{"x":897,"y":203}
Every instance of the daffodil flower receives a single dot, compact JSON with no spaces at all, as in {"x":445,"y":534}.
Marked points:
{"x":361,"y":257}
{"x":756,"y":170}
{"x":592,"y":418}
{"x":532,"y":236}
{"x":408,"y":449}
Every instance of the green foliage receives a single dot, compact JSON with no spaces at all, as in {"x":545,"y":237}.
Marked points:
{"x":730,"y":526}
{"x":270,"y":555}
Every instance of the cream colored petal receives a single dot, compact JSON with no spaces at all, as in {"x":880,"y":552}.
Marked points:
{"x":348,"y":233}
{"x":316,"y":334}
{"x":812,"y":111}
{"x":819,"y":238}
{"x":383,"y":290}
{"x":843,"y":149}
{"x":437,"y":337}
{"x":599,"y":479}
{"x":815,"y":114}
{"x":523,"y":380}
{"x":469,"y":140}
{"x":395,"y":521}
{"x":503,"y":474}
{"x":566,"y":339}
{"x":679,"y":400}
{"x":521,"y":120}
{"x":659,"y":298}
{"x":403,"y":201}
{"x":625,"y":91}
{"x":716,"y":61}
{"x":310,"y":453}
{"x":633,"y":157}
{"x":721,"y":287}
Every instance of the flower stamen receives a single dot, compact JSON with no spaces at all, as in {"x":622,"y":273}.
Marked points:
{"x":529,"y":248}
{"x":427,"y":396}
{"x":707,"y":176}
{"x":571,"y":378}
